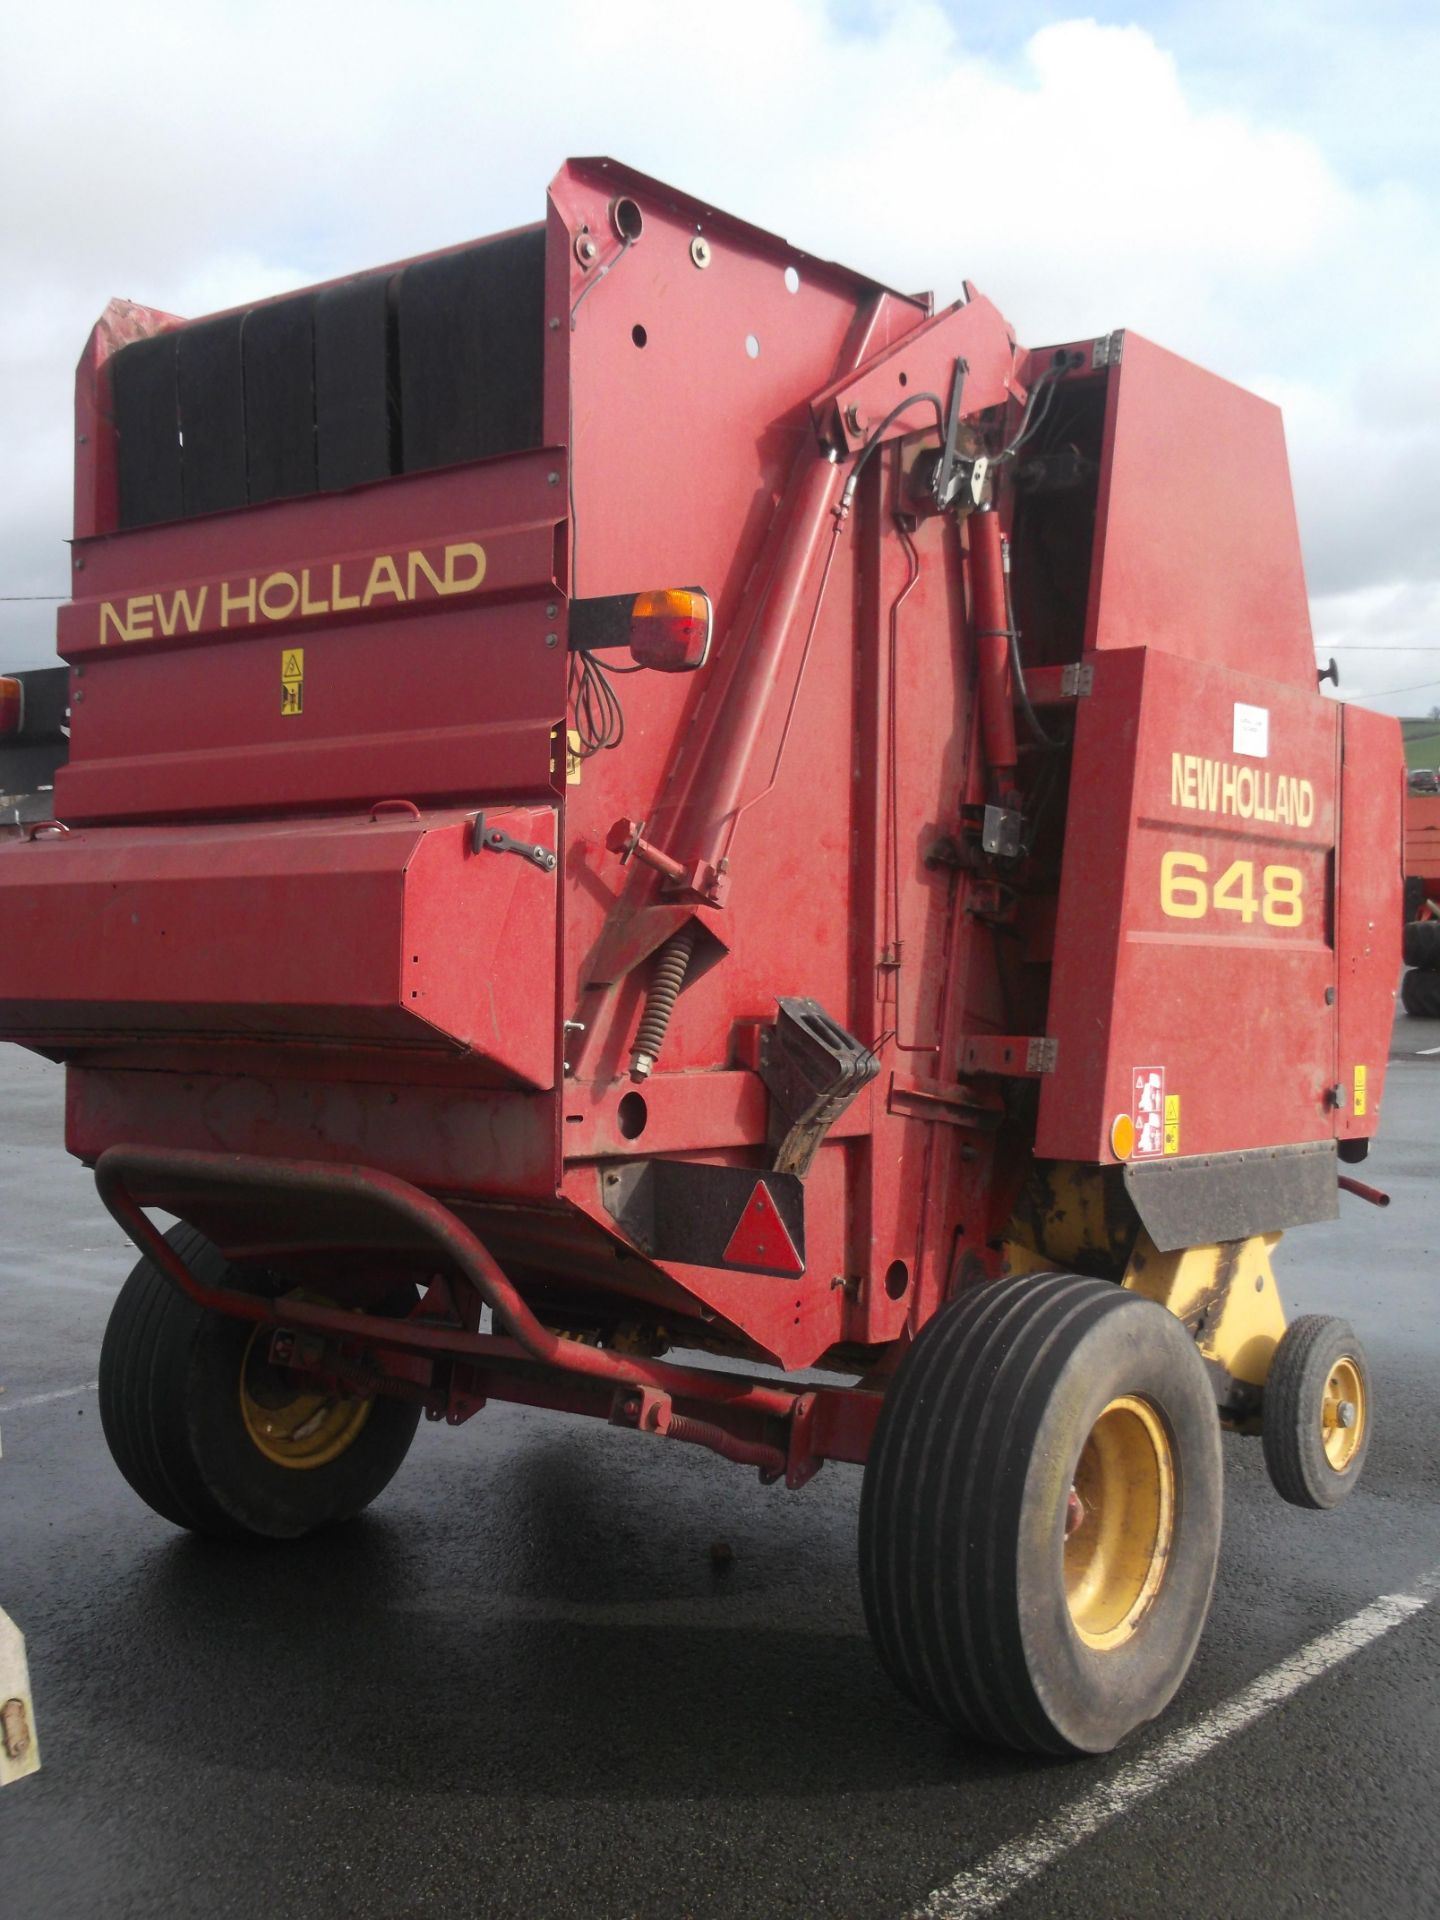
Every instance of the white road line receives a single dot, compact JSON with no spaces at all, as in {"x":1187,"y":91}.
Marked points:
{"x":1420,"y":1050}
{"x":984,"y":1888}
{"x":43,"y":1399}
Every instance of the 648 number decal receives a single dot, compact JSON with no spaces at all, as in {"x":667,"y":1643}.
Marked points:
{"x":1274,"y":894}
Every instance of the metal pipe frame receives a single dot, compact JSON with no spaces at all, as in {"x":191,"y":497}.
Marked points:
{"x":124,"y":1173}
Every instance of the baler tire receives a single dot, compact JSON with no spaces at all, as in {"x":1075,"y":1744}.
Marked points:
{"x":1420,"y":946}
{"x":1420,"y":994}
{"x":966,"y":1517}
{"x":1311,"y":1460}
{"x":171,"y":1410}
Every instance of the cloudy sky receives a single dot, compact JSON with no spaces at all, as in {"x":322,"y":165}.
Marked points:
{"x":1254,"y":185}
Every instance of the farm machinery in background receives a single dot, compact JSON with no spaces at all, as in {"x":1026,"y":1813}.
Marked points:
{"x":1420,"y":987}
{"x":635,"y":793}
{"x":34,"y":742}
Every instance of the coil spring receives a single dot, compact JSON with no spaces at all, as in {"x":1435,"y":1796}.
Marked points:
{"x":672,"y":962}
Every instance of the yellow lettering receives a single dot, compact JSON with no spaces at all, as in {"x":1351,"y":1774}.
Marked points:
{"x":464,"y":550}
{"x":341,"y":602}
{"x":384,"y":578}
{"x":140,"y":615}
{"x":244,"y":601}
{"x":286,"y":583}
{"x":1305,"y":811}
{"x":181,"y":605}
{"x":1210,"y":785}
{"x":307,"y":605}
{"x":418,"y":565}
{"x":109,"y":617}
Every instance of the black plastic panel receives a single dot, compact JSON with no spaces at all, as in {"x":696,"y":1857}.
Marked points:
{"x":212,"y":415}
{"x":147,"y":417}
{"x":355,"y":436}
{"x":277,"y":348}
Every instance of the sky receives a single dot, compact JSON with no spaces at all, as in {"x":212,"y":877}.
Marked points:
{"x":1254,"y":186}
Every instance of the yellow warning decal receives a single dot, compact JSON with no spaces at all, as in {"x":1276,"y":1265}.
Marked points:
{"x":574,"y":759}
{"x":1361,"y":1090}
{"x":1172,"y":1123}
{"x":292,"y":680}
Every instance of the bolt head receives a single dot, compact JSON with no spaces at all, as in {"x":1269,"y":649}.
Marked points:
{"x":700,"y":252}
{"x":1345,"y":1414}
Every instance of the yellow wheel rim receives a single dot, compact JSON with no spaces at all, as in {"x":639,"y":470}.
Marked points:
{"x":1120,"y":1525}
{"x":293,"y":1426}
{"x":1342,"y":1414}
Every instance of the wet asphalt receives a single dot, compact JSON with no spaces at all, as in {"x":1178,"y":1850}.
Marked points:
{"x":522,"y":1685}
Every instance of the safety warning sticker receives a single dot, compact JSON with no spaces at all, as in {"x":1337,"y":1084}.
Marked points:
{"x":1148,"y":1112}
{"x":292,"y":680}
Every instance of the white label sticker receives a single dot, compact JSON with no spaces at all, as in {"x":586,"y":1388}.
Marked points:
{"x":1252,"y":731}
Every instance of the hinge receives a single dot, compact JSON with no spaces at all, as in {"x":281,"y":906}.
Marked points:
{"x":1077,"y":680}
{"x":1108,"y":349}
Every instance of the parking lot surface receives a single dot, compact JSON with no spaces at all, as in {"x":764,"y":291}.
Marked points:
{"x":523,"y":1685}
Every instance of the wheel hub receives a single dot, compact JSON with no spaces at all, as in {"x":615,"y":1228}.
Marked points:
{"x":294,"y":1425}
{"x":1119,"y":1522}
{"x":1342,"y":1414}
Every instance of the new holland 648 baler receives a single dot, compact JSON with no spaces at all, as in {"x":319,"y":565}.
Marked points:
{"x":944,"y":962}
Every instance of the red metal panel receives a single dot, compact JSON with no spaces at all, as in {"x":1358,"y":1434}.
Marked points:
{"x":1367,"y":932}
{"x":341,"y":931}
{"x":1196,"y":544}
{"x":1185,"y":866}
{"x":418,"y":693}
{"x":455,"y":1140}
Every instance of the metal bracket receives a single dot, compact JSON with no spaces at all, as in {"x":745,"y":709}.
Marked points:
{"x":1012,"y":1056}
{"x":496,"y":840}
{"x":1001,"y":832}
{"x":812,"y":1069}
{"x":1077,"y":680}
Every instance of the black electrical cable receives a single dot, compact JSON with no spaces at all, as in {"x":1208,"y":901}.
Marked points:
{"x":595,"y":705}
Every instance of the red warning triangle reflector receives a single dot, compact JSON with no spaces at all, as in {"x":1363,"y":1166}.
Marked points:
{"x":761,"y":1238}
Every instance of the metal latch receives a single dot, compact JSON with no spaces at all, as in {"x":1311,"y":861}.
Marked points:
{"x":496,"y":840}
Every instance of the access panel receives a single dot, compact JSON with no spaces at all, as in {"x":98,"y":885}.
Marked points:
{"x":1191,"y":999}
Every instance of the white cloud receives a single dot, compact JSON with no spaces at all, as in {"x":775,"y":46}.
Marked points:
{"x":197,"y":158}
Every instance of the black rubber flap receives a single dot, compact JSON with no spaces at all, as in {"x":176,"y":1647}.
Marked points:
{"x":147,"y":431}
{"x":1201,"y":1199}
{"x":354,"y":382}
{"x":212,"y":415}
{"x":471,"y":333}
{"x":277,"y":350}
